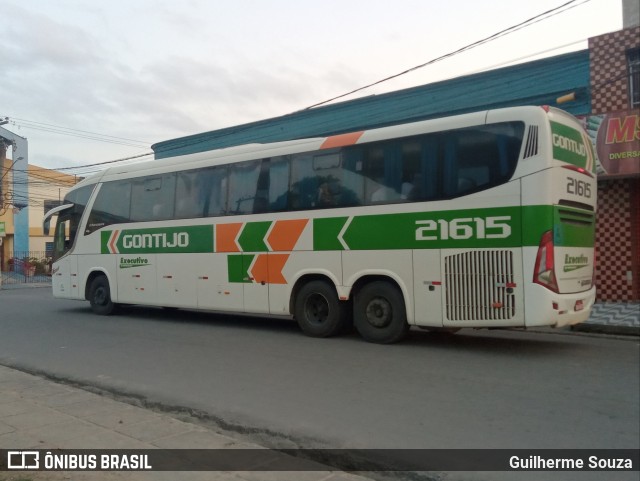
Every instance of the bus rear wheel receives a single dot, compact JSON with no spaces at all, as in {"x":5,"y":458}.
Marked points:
{"x":318,"y":310}
{"x":100,"y":297}
{"x":379,"y":313}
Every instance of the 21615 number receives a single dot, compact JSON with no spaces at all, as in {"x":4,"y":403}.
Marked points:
{"x":466,"y":228}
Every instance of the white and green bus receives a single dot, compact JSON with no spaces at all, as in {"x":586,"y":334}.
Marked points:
{"x":478,"y":220}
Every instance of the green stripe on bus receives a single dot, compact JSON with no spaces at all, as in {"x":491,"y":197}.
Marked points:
{"x":161,"y":240}
{"x":499,"y":227}
{"x":573,"y":228}
{"x":482,"y":228}
{"x":536,"y":220}
{"x":252,"y":237}
{"x":325,"y":233}
{"x":238,"y":267}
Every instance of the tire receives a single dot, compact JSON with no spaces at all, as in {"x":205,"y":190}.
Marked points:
{"x":318,"y":310}
{"x":100,"y":297}
{"x":379,"y":313}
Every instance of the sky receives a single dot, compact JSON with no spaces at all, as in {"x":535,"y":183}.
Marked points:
{"x":135,"y":72}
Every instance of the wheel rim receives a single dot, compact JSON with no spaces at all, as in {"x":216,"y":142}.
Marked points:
{"x":379,"y":312}
{"x":100,"y":296}
{"x":316,"y":309}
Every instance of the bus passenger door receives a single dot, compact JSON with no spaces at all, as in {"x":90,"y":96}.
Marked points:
{"x":427,"y":285}
{"x":65,"y":278}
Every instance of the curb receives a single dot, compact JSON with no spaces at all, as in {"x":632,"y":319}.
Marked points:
{"x":9,"y":287}
{"x":607,"y":329}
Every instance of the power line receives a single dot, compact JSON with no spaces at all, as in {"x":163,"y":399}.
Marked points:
{"x":107,"y":162}
{"x":32,"y":124}
{"x":536,"y":19}
{"x":490,"y":38}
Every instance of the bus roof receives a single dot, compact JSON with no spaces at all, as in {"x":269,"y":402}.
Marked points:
{"x":248,"y":151}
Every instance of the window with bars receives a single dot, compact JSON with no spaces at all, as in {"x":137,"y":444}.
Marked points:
{"x":633,"y":60}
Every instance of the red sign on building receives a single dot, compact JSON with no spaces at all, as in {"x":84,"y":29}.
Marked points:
{"x":618,"y":142}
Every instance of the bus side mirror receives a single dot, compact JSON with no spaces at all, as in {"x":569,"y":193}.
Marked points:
{"x":46,"y":226}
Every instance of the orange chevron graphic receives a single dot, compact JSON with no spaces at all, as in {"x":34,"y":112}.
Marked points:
{"x":112,"y":241}
{"x":341,"y":140}
{"x":268,"y":268}
{"x":260,"y":269}
{"x":285,"y":234}
{"x":276,"y":264}
{"x":226,"y":235}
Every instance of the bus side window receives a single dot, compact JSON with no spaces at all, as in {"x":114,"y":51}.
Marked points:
{"x":376,"y":190}
{"x":215,"y":182}
{"x":153,"y":198}
{"x":392,"y":172}
{"x":278,"y":184}
{"x":426,"y":183}
{"x":352,"y":192}
{"x":112,"y":205}
{"x":243,"y":185}
{"x":190,"y":195}
{"x":304,"y":183}
{"x":479,"y":158}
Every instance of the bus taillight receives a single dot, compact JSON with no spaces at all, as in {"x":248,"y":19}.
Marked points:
{"x":544,"y":272}
{"x":580,"y":170}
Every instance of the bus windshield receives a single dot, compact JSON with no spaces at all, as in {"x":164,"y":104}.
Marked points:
{"x":69,"y":218}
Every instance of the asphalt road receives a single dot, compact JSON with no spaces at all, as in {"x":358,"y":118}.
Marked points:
{"x":264,"y":379}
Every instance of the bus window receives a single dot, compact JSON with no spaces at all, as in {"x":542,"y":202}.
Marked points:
{"x":339,"y":178}
{"x":243,"y":185}
{"x":327,"y":169}
{"x":352,"y":191}
{"x":278,"y":184}
{"x":304,"y":183}
{"x":394,"y":172}
{"x":190,"y":195}
{"x":69,"y":220}
{"x":61,"y":241}
{"x":215,"y":183}
{"x":112,"y":206}
{"x":153,"y":198}
{"x":479,"y":158}
{"x":426,"y":183}
{"x":383,"y":172}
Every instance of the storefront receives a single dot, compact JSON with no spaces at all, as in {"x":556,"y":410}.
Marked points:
{"x":615,"y":129}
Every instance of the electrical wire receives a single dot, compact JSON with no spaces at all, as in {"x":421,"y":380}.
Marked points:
{"x":32,"y":124}
{"x":536,"y":19}
{"x":490,"y":38}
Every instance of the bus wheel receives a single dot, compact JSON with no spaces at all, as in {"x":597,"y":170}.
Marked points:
{"x":100,"y":297}
{"x":318,"y":310}
{"x":379,"y":313}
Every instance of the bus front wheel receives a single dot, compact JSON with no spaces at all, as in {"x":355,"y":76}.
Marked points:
{"x":379,"y":313}
{"x":100,"y":297}
{"x":318,"y":310}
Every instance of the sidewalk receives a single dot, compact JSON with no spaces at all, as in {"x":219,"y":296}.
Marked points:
{"x":16,"y":280}
{"x":622,"y":318}
{"x":37,"y":413}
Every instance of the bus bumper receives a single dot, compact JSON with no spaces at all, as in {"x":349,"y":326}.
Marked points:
{"x":560,"y":310}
